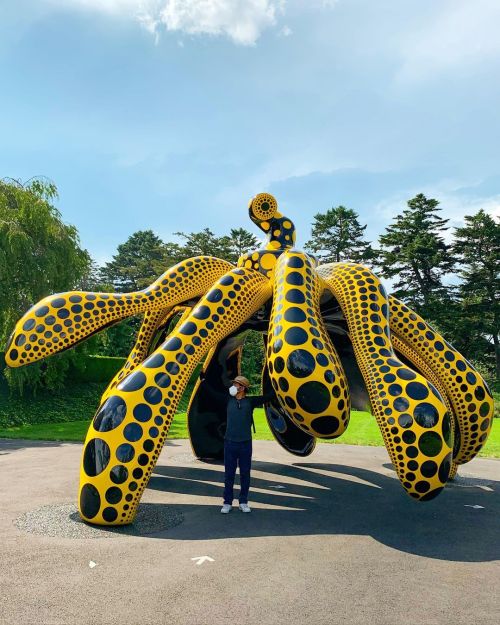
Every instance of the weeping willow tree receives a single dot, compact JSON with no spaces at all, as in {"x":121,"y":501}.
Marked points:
{"x":39,"y":255}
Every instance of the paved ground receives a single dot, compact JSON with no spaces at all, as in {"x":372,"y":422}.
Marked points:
{"x":341,"y":543}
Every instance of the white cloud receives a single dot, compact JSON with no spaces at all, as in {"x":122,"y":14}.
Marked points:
{"x":461,"y":35}
{"x":243,"y":21}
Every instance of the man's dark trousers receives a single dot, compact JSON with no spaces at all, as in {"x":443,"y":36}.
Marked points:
{"x":237,"y":453}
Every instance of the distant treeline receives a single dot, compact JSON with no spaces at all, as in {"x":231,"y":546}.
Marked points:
{"x":453,"y":281}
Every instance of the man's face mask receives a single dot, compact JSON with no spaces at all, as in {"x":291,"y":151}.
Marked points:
{"x":233,"y":390}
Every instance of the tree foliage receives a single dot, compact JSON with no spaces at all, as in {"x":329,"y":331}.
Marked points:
{"x":135,"y":265}
{"x":338,"y":236}
{"x":39,"y":255}
{"x":477,"y":246}
{"x":414,"y":254}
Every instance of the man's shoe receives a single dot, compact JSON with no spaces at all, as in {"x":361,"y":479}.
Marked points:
{"x":244,"y":507}
{"x":226,"y":508}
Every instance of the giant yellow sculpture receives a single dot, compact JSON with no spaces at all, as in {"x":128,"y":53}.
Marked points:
{"x":333,"y":339}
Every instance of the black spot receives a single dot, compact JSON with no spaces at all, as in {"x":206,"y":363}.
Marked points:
{"x":395,"y":389}
{"x":132,"y":432}
{"x":325,"y":425}
{"x":295,"y":278}
{"x":409,"y":437}
{"x":447,"y":433}
{"x":422,"y":486}
{"x":226,"y":280}
{"x":142,"y":412}
{"x":162,"y":379}
{"x":118,"y":474}
{"x":28,"y":325}
{"x":13,"y":354}
{"x":113,"y":494}
{"x":295,"y":262}
{"x":279,"y":364}
{"x":42,"y":311}
{"x":125,"y":452}
{"x":188,"y":328}
{"x":172,"y":344}
{"x":63,"y":313}
{"x":294,"y":296}
{"x":215,"y":295}
{"x":283,"y":384}
{"x":133,"y":382}
{"x":109,"y":514}
{"x":110,"y":414}
{"x":484,"y":409}
{"x":313,"y":397}
{"x":143,"y":460}
{"x":429,"y":468}
{"x":416,"y":390}
{"x":406,"y":374}
{"x":426,"y":415}
{"x":401,"y":404}
{"x":295,"y":336}
{"x":479,"y":393}
{"x":172,"y":368}
{"x":202,"y":312}
{"x":154,"y":361}
{"x":430,"y":444}
{"x":90,"y":501}
{"x":300,"y":363}
{"x":295,"y":315}
{"x":96,"y":457}
{"x":148,"y":445}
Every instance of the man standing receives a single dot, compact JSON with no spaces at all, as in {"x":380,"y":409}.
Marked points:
{"x":238,"y":437}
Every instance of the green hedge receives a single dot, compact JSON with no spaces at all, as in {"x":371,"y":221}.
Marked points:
{"x":96,"y":368}
{"x":78,"y":401}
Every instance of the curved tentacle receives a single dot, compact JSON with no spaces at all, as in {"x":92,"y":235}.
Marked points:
{"x":467,"y":392}
{"x":60,"y":321}
{"x":304,"y":367}
{"x":411,"y":414}
{"x":150,"y":324}
{"x":128,"y":432}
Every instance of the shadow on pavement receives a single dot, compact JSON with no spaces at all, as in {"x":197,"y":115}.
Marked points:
{"x":337,"y":499}
{"x":8,"y":445}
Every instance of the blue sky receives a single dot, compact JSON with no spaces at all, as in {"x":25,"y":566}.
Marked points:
{"x":171,"y":114}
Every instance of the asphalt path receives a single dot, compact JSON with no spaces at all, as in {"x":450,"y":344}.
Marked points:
{"x":331,"y":538}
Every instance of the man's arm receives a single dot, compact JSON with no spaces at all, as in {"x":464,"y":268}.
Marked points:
{"x":260,"y":400}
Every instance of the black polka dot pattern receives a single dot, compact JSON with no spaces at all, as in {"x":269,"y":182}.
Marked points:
{"x":305,"y":370}
{"x":409,"y":409}
{"x":59,"y":321}
{"x":464,"y":391}
{"x":130,"y":428}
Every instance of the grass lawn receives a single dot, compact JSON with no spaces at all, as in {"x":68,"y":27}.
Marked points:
{"x":362,"y":430}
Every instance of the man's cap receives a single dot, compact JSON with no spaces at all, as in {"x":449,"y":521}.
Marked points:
{"x":242,"y":380}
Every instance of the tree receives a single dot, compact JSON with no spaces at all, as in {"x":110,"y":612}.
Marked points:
{"x":39,"y":255}
{"x":477,"y":246}
{"x":337,"y":236}
{"x":205,"y":243}
{"x":416,"y":255}
{"x":136,"y":263}
{"x":241,"y":241}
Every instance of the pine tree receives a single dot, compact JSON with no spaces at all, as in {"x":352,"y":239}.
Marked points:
{"x":415,"y":255}
{"x":337,"y":236}
{"x":136,"y":263}
{"x":477,"y":245}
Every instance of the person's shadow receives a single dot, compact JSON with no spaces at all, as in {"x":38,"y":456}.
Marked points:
{"x":337,"y":499}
